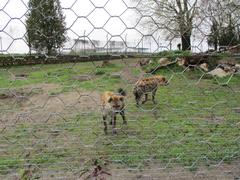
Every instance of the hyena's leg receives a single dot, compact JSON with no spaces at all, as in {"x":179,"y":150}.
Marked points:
{"x":137,"y":98}
{"x":111,"y":119}
{"x":153,"y":95}
{"x":114,"y":124}
{"x":146,"y":98}
{"x":122,"y":113}
{"x":105,"y":123}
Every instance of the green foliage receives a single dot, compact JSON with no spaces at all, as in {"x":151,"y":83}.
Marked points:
{"x":174,"y":54}
{"x":228,"y":36}
{"x":99,"y":72}
{"x":223,"y":36}
{"x":214,"y":35}
{"x":45,"y":26}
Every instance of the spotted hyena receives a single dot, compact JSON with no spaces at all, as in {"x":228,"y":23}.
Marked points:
{"x":148,"y":85}
{"x":113,"y":104}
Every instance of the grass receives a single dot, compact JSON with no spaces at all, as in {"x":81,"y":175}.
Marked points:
{"x":59,"y":74}
{"x":174,"y":54}
{"x":192,"y":124}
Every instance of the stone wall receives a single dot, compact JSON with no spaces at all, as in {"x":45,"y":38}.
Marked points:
{"x":41,"y":59}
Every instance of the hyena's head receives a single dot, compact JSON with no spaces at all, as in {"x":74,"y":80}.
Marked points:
{"x":162,"y":81}
{"x":116,"y":102}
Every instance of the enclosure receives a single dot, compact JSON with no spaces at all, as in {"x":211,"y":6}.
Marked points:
{"x":51,"y":81}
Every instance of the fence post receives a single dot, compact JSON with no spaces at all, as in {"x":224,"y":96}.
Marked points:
{"x":84,"y":43}
{"x":126,"y":44}
{"x":1,"y":45}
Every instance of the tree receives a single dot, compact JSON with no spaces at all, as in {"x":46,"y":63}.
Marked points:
{"x":175,"y":16}
{"x":213,"y":38}
{"x":45,"y":26}
{"x":228,"y":35}
{"x":224,"y":17}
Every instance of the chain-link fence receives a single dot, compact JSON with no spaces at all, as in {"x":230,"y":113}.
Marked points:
{"x":176,"y":115}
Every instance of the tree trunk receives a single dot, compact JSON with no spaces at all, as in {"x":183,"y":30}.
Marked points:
{"x":49,"y":49}
{"x":186,"y":41}
{"x":215,"y":45}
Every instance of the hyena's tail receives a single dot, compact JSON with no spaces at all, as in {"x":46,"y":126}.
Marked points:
{"x":122,"y":92}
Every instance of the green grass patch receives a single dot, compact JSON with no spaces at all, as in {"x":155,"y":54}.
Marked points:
{"x":174,"y":54}
{"x":193,"y":123}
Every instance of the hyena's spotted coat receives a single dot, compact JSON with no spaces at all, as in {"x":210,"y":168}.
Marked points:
{"x":112,"y":104}
{"x":148,"y":85}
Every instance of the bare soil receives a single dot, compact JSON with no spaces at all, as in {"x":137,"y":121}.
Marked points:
{"x":127,"y":75}
{"x":36,"y":104}
{"x":152,"y":172}
{"x":155,"y":171}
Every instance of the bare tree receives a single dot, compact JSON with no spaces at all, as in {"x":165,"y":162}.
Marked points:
{"x":176,"y":17}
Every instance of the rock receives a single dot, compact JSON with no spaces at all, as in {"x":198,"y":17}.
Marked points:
{"x":163,"y":65}
{"x":192,"y":61}
{"x":227,"y":68}
{"x":144,"y":61}
{"x":236,"y":71}
{"x":180,"y":61}
{"x":204,"y":66}
{"x":237,"y":110}
{"x":219,"y":72}
{"x":164,"y":61}
{"x":105,"y":63}
{"x":36,"y":68}
{"x":116,"y":75}
{"x":82,"y":78}
{"x":227,"y":61}
{"x":237,"y":68}
{"x":4,"y":96}
{"x":20,"y":76}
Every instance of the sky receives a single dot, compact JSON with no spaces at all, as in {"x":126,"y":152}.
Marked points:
{"x":96,"y":19}
{"x":12,"y":21}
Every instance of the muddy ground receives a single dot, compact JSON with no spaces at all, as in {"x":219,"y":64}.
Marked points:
{"x":38,"y":104}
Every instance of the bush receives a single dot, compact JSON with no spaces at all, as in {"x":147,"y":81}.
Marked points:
{"x":99,"y":72}
{"x":174,"y":54}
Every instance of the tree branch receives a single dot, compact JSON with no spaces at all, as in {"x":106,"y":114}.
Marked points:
{"x":179,"y":6}
{"x":193,"y":9}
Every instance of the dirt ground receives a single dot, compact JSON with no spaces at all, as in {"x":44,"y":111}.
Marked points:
{"x":151,"y":172}
{"x":154,"y":171}
{"x":127,"y":74}
{"x":36,"y":104}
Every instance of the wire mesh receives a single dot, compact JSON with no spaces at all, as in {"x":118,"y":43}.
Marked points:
{"x":53,"y":113}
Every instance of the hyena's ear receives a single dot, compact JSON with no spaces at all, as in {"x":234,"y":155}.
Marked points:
{"x":122,"y":92}
{"x":121,"y":98}
{"x":110,"y":100}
